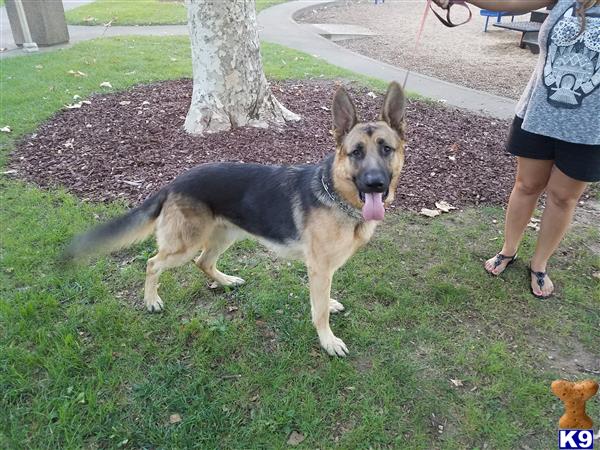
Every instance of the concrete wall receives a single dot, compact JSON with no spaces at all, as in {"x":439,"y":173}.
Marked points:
{"x":46,"y":19}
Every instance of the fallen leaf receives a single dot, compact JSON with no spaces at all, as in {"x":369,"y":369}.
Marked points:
{"x":74,"y":105}
{"x":77,"y":73}
{"x":457,"y":383}
{"x":596,"y":275}
{"x":444,"y":206}
{"x":89,"y":19}
{"x":533,"y":225}
{"x":295,"y":438}
{"x":5,"y":129}
{"x":535,"y":220}
{"x":213,"y":285}
{"x":75,"y":97}
{"x":174,"y":418}
{"x":371,"y":94}
{"x":430,"y":212}
{"x":106,"y":84}
{"x":452,"y":158}
{"x":145,"y":102}
{"x":12,"y":172}
{"x":124,"y":103}
{"x":324,"y":108}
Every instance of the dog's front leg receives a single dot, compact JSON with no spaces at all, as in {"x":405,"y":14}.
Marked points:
{"x":320,"y":290}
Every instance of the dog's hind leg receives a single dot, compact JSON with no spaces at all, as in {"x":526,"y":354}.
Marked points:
{"x":217,"y":243}
{"x":179,"y":234}
{"x":156,"y":265}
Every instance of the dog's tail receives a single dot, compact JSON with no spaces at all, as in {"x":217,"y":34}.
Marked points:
{"x":134,"y":226}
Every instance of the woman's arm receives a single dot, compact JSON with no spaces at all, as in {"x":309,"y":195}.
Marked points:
{"x":512,"y":6}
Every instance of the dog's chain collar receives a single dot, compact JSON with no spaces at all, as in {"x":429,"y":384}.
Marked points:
{"x":351,"y":211}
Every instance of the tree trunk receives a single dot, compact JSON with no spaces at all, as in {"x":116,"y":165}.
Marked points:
{"x":230,"y":88}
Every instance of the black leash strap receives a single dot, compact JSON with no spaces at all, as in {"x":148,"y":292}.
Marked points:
{"x":447,"y":20}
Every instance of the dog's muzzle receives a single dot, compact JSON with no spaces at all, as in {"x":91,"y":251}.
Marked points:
{"x":373,"y":189}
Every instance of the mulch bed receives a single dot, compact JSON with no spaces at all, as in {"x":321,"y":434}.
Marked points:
{"x":127,"y":145}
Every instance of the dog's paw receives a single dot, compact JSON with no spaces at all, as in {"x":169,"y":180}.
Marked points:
{"x":334,"y":345}
{"x":335,"y":306}
{"x":231,"y":281}
{"x":154,"y":305}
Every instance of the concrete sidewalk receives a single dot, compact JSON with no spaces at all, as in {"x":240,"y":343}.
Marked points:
{"x":277,"y":25}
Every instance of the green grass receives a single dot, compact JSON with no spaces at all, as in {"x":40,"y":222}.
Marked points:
{"x":83,"y":366}
{"x":128,"y":12}
{"x":137,"y":12}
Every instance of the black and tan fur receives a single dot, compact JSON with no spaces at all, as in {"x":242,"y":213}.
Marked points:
{"x":309,"y":212}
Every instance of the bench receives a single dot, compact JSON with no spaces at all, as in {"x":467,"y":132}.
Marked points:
{"x":529,"y":30}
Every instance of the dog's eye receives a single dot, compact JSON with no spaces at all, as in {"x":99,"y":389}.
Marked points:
{"x":387,"y":149}
{"x":357,"y":152}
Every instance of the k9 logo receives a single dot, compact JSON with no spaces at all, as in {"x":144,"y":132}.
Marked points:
{"x":575,"y":439}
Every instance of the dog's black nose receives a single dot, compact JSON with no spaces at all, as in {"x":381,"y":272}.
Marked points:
{"x":374,"y":181}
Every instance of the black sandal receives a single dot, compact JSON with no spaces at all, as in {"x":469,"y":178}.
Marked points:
{"x":498,"y":261}
{"x":540,"y":279}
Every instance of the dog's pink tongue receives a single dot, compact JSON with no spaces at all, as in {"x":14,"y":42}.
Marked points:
{"x":373,"y":207}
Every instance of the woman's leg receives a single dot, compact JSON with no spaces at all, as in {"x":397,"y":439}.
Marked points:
{"x":563,"y":194}
{"x":532,"y":177}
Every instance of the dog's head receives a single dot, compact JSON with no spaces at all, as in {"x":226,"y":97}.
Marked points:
{"x":369,"y":155}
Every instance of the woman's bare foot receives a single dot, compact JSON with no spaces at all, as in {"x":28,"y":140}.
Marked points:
{"x":498,"y":263}
{"x":541,"y":284}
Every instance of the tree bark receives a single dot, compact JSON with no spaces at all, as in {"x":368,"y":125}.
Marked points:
{"x":230,"y":87}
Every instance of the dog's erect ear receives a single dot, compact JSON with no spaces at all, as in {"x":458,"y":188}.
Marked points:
{"x":394,"y":108}
{"x":344,"y":114}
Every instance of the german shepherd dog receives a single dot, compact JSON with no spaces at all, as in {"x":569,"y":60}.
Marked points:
{"x":319,"y":213}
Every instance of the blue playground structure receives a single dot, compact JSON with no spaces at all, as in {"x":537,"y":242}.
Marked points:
{"x":497,"y":14}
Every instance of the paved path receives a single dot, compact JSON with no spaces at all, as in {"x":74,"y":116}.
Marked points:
{"x":277,"y":25}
